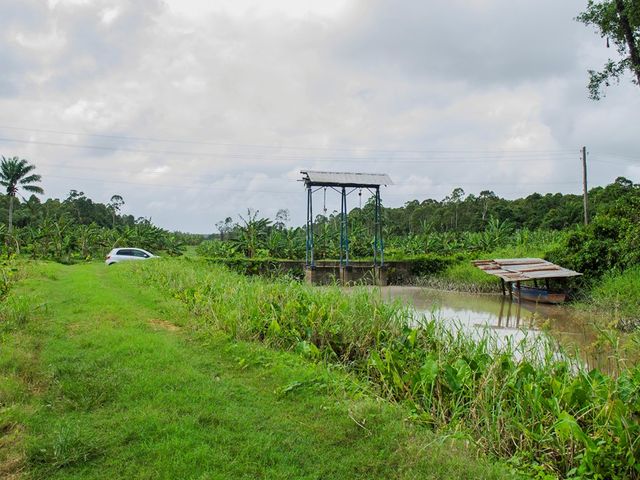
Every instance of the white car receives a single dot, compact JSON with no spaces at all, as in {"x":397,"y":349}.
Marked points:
{"x":125,"y":254}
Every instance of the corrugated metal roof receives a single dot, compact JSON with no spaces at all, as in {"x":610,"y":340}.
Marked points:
{"x":345,"y":179}
{"x":522,"y":269}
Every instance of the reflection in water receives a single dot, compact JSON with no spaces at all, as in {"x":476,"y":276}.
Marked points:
{"x":509,"y":321}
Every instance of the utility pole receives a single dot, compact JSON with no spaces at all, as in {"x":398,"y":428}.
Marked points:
{"x":585,"y":197}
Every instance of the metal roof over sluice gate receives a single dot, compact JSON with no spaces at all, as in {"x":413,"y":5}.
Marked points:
{"x":523,"y":269}
{"x":345,"y":179}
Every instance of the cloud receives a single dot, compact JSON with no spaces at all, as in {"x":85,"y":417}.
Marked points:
{"x":499,"y":42}
{"x":194,"y":110}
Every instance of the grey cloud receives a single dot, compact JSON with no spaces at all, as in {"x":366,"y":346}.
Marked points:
{"x":90,"y":48}
{"x":479,"y":42}
{"x":25,"y":13}
{"x":15,"y":63}
{"x":385,"y":83}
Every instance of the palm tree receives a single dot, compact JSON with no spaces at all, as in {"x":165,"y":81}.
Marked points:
{"x":16,"y":173}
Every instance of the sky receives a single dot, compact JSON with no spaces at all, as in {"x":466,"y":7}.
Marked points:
{"x":196,"y":110}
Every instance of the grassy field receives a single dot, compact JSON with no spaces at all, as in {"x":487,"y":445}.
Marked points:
{"x":101,"y":377}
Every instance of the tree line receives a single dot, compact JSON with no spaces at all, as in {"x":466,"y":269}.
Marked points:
{"x":77,"y":227}
{"x":74,"y":228}
{"x":459,"y":223}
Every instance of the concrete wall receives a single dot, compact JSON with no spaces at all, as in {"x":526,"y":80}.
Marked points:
{"x":354,"y":274}
{"x":325,"y":273}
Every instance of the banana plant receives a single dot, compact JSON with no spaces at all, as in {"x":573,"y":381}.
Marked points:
{"x":86,"y":236}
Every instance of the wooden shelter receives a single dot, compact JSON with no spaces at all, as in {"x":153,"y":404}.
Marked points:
{"x":517,"y":270}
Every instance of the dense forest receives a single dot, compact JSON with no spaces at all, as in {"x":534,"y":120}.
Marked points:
{"x":552,"y":211}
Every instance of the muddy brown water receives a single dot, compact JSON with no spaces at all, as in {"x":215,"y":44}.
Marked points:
{"x":509,"y":321}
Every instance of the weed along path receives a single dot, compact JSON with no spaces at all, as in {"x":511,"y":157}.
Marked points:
{"x":102,"y":378}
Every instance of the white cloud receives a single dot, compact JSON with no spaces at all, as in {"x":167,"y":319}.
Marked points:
{"x":194,"y":9}
{"x":54,"y":3}
{"x":429,"y":92}
{"x":43,"y":43}
{"x":108,"y":15}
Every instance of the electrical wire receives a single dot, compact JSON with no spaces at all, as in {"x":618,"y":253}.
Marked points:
{"x":175,"y":175}
{"x":522,"y":156}
{"x":479,"y":156}
{"x":248,"y":145}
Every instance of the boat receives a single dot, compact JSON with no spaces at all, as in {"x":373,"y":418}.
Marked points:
{"x":538,"y":295}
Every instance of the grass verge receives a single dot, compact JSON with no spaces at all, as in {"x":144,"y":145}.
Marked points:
{"x":463,"y":276}
{"x":102,"y":377}
{"x":619,"y":294}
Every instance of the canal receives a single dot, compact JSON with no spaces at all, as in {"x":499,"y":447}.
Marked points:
{"x":508,"y":321}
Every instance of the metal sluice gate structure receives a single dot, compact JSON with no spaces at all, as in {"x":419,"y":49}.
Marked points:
{"x":345,"y":184}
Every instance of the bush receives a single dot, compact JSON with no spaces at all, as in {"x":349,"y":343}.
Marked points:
{"x":430,"y":264}
{"x":607,"y":243}
{"x":216,"y":249}
{"x":269,"y":267}
{"x":620,"y":293}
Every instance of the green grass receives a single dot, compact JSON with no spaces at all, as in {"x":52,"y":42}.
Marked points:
{"x":619,"y":294}
{"x":464,"y":276}
{"x":103,"y":377}
{"x":525,"y":401}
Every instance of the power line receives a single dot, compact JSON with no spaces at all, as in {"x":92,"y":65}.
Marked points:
{"x":177,"y":186}
{"x":477,"y":159}
{"x":610,"y":162}
{"x":618,"y":155}
{"x":248,"y":145}
{"x":444,"y":160}
{"x":174,"y":175}
{"x":276,"y":192}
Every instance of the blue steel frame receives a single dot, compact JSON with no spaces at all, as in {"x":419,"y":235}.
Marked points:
{"x":378,"y":242}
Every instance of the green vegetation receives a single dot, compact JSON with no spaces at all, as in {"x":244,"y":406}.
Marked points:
{"x":17,"y":173}
{"x":78,"y":229}
{"x":618,"y":21}
{"x":608,"y":248}
{"x":439,"y":237}
{"x":75,"y":402}
{"x":619,"y":294}
{"x":542,"y":410}
{"x":462,"y":275}
{"x":103,"y":378}
{"x":459,"y":229}
{"x":611,"y":241}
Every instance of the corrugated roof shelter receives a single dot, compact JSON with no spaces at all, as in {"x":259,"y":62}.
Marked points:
{"x":523,"y":269}
{"x":345,"y":179}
